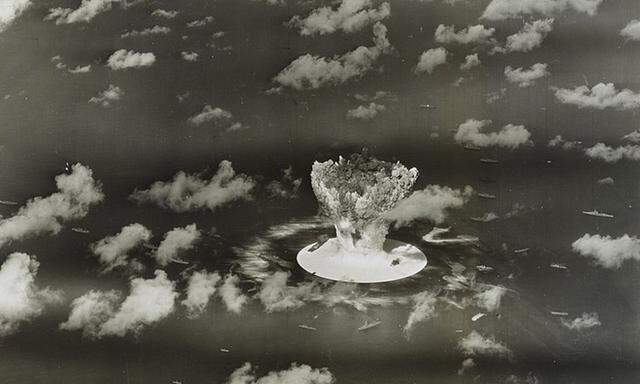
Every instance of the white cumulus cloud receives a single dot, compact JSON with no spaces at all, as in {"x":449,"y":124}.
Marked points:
{"x":86,"y":11}
{"x":350,"y":16}
{"x":430,"y":203}
{"x":510,"y":136}
{"x":431,"y":59}
{"x":108,"y":96}
{"x":296,"y":374}
{"x":600,"y":96}
{"x":526,"y":77}
{"x":365,"y":112}
{"x":11,"y":10}
{"x":200,"y":289}
{"x":232,"y":295}
{"x":476,"y":344}
{"x":585,"y":321}
{"x":474,"y":34}
{"x":123,"y":59}
{"x":424,"y":308}
{"x":504,"y":9}
{"x":607,"y":251}
{"x":611,"y":155}
{"x":113,"y":251}
{"x":176,"y":241}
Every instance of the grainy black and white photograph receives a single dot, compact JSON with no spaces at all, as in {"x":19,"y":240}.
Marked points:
{"x":319,"y":191}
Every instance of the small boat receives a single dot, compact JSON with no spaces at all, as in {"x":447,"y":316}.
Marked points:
{"x":368,"y":325}
{"x":558,"y":266}
{"x":307,"y":327}
{"x":427,"y":106}
{"x":486,"y":196}
{"x":489,"y":161}
{"x":556,"y":313}
{"x":484,"y":268}
{"x":595,"y":213}
{"x":521,"y":250}
{"x":471,"y":147}
{"x":8,"y":202}
{"x":478,"y":316}
{"x":225,"y":350}
{"x":180,"y":261}
{"x":80,"y":230}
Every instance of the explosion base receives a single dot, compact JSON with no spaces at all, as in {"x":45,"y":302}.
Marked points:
{"x":396,"y":261}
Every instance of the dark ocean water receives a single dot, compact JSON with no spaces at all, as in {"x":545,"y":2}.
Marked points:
{"x":188,"y":350}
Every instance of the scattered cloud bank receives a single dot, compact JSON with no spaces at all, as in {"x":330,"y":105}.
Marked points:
{"x":149,"y":301}
{"x":606,"y":251}
{"x":200,"y":22}
{"x":585,"y":321}
{"x":476,"y":344}
{"x":123,"y":59}
{"x":424,"y":308}
{"x":489,"y":297}
{"x":611,"y":155}
{"x":312,"y":72}
{"x":113,"y":251}
{"x":296,"y":374}
{"x":80,"y":69}
{"x":470,"y":61}
{"x":600,"y":96}
{"x":528,"y":38}
{"x":378,"y":95}
{"x":632,"y":30}
{"x":20,"y":298}
{"x":11,"y":10}
{"x":277,"y":296}
{"x":633,"y":137}
{"x":366,"y":112}
{"x":505,"y":9}
{"x":232,"y":295}
{"x":108,"y":96}
{"x":350,"y":16}
{"x":474,"y":34}
{"x":155,"y":30}
{"x":86,"y":11}
{"x":430,"y":203}
{"x":526,"y":77}
{"x":175,"y":242}
{"x":285,"y":188}
{"x":170,"y":14}
{"x":510,"y":136}
{"x":200,"y":289}
{"x":189,"y":192}
{"x":77,"y":192}
{"x":494,"y":96}
{"x":431,"y":59}
{"x":559,"y":142}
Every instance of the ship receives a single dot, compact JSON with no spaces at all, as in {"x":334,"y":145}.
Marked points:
{"x":597,"y":214}
{"x":521,"y":250}
{"x":489,"y":161}
{"x":556,"y":313}
{"x":427,"y":106}
{"x":487,"y":217}
{"x":484,"y":268}
{"x":307,"y":327}
{"x":486,"y":195}
{"x":478,"y":316}
{"x":8,"y":202}
{"x":225,"y":350}
{"x":368,"y":325}
{"x":471,"y":147}
{"x":558,"y":266}
{"x":80,"y":230}
{"x":179,"y":261}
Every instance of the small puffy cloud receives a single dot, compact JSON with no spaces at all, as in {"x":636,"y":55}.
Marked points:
{"x":113,"y":251}
{"x":277,"y":296}
{"x":365,"y":112}
{"x":474,"y":34}
{"x":606,"y":181}
{"x":285,"y":188}
{"x":466,"y":365}
{"x":430,"y":203}
{"x":296,"y":374}
{"x":176,"y":241}
{"x":431,"y":59}
{"x":189,"y":192}
{"x":200,"y":289}
{"x":559,"y":142}
{"x":108,"y":96}
{"x":632,"y":30}
{"x":232,"y":295}
{"x":585,"y":321}
{"x":123,"y":59}
{"x":200,"y":22}
{"x":600,"y":96}
{"x":470,"y":61}
{"x":494,"y":96}
{"x":607,"y":251}
{"x":11,"y":10}
{"x":189,"y":56}
{"x":528,"y":38}
{"x":86,"y":11}
{"x":312,"y":72}
{"x":155,"y":30}
{"x":476,"y":344}
{"x":633,"y":137}
{"x":378,"y":95}
{"x":424,"y":308}
{"x":510,"y":136}
{"x":80,"y":69}
{"x":77,"y":192}
{"x":505,"y":9}
{"x":350,"y":16}
{"x":170,"y":14}
{"x":489,"y":297}
{"x":90,"y":311}
{"x":20,"y":298}
{"x":611,"y":155}
{"x":526,"y":77}
{"x":209,"y":114}
{"x":149,"y":301}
